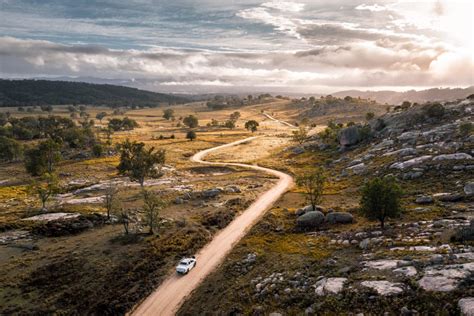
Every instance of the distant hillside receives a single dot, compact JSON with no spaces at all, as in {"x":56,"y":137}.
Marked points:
{"x":46,"y":92}
{"x":393,"y":97}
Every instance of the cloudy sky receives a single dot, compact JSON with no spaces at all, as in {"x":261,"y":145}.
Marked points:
{"x":318,"y":46}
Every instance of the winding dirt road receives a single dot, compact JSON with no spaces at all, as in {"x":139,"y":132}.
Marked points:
{"x":169,"y":296}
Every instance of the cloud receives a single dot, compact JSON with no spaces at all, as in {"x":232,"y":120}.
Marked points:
{"x":284,"y":6}
{"x":299,"y":45}
{"x":373,"y":8}
{"x":355,"y":65}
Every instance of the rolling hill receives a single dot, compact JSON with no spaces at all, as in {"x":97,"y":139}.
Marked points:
{"x":394,"y":97}
{"x":46,"y":92}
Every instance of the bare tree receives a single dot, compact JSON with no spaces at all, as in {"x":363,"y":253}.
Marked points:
{"x":110,"y":201}
{"x":152,"y":205}
{"x":313,"y":185}
{"x":300,"y":136}
{"x":45,"y":188}
{"x":123,"y":216}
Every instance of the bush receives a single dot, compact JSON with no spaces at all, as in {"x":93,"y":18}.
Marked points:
{"x":191,"y":135}
{"x":191,"y":121}
{"x":435,"y":110}
{"x":10,"y":149}
{"x":381,"y":199}
{"x":97,"y":150}
{"x":43,"y":158}
{"x":466,"y":128}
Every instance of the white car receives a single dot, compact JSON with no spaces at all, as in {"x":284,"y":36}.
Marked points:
{"x":185,"y":265}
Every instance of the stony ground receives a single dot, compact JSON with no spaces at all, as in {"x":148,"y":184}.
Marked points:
{"x":421,"y":264}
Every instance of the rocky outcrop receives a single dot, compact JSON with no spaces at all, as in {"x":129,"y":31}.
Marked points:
{"x":310,"y":220}
{"x":349,"y":136}
{"x":384,"y":288}
{"x":329,"y":286}
{"x":339,"y":218}
{"x":410,"y":163}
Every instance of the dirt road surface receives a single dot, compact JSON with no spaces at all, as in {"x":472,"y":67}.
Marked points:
{"x":169,"y":296}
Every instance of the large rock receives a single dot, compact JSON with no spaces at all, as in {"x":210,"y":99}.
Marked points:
{"x":424,"y":200}
{"x":349,"y":136}
{"x":310,"y":220}
{"x":210,"y":193}
{"x":456,"y":156}
{"x":469,"y":188}
{"x":339,"y":218}
{"x":410,"y":163}
{"x":466,"y":305}
{"x":358,"y":169}
{"x":384,"y":288}
{"x":329,"y":286}
{"x":445,"y":278}
{"x":308,"y":208}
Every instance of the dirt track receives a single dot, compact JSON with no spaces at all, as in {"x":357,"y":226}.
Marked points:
{"x":168,"y":297}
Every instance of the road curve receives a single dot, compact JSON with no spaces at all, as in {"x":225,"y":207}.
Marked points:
{"x":169,"y":296}
{"x":279,"y":121}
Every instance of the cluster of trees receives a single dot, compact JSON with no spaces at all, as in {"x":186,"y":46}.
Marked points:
{"x":138,"y":163}
{"x":220,"y":102}
{"x":125,"y":124}
{"x":60,"y":130}
{"x":251,"y":125}
{"x":229,"y":123}
{"x":45,"y":92}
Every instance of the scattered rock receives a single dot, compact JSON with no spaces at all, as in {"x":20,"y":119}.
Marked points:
{"x":339,"y":218}
{"x":469,"y":189}
{"x":406,"y":271}
{"x":210,"y":193}
{"x":456,"y":156}
{"x":364,"y":244}
{"x":384,"y":288}
{"x":453,"y":197}
{"x":424,"y":200}
{"x":466,"y":305}
{"x":298,"y":150}
{"x":349,"y":136}
{"x":410,"y":163}
{"x":329,"y":286}
{"x":445,"y":278}
{"x":358,"y":169}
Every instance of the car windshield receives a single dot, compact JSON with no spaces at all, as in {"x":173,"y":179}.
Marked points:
{"x":184,"y":262}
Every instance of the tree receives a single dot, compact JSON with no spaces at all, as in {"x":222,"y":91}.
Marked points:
{"x":45,"y":188}
{"x":168,"y":114}
{"x":123,"y":216}
{"x":191,"y":121}
{"x":46,"y":108}
{"x":466,"y":128}
{"x":369,"y":116}
{"x":251,"y":125}
{"x":152,"y":204}
{"x":110,"y":201}
{"x":234,"y":116}
{"x":435,"y":110}
{"x":406,"y":105}
{"x":10,"y":149}
{"x":138,"y":162}
{"x":313,"y":185}
{"x":191,"y":135}
{"x":300,"y":136}
{"x":229,"y":124}
{"x":126,"y":124}
{"x":43,"y":158}
{"x":100,"y":116}
{"x":381,"y":199}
